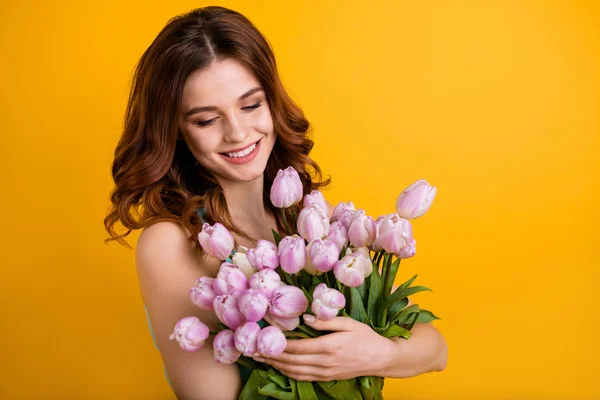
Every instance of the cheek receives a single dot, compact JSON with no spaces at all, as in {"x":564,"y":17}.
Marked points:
{"x":264,"y":121}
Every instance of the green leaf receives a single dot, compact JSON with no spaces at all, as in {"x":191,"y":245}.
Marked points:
{"x":341,"y":390}
{"x":409,"y":325}
{"x":391,"y":276}
{"x":400,"y":315}
{"x":407,"y":283}
{"x":250,"y":391}
{"x":426,"y":316}
{"x":366,"y":387}
{"x":401,"y":294}
{"x":363,"y":291}
{"x":394,"y":331}
{"x":357,"y":309}
{"x":272,"y":390}
{"x":375,"y":291}
{"x":276,"y":236}
{"x":294,"y":385}
{"x":281,"y":380}
{"x":398,"y":306}
{"x":308,"y":296}
{"x":306,"y":391}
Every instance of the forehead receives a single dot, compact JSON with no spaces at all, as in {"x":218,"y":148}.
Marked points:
{"x":221,"y":82}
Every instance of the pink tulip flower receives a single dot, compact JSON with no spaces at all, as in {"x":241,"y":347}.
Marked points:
{"x":286,"y":189}
{"x":394,"y":233}
{"x":327,"y":302}
{"x":415,"y":200}
{"x":224,"y":348}
{"x":316,"y":197}
{"x":362,"y":231}
{"x":270,"y":342}
{"x":338,"y":234}
{"x":190,"y":333}
{"x":253,"y":304}
{"x":340,"y":208}
{"x":409,"y":250}
{"x":229,"y":278}
{"x":266,"y":281}
{"x":285,"y":324}
{"x":244,"y":338}
{"x":323,"y":254}
{"x":264,"y":255}
{"x":203,"y":293}
{"x":288,"y":302}
{"x":350,"y":270}
{"x":226,"y":309}
{"x":216,"y":240}
{"x":292,"y":254}
{"x":313,"y":223}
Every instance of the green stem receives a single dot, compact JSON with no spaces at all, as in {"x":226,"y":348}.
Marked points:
{"x":307,"y":331}
{"x":284,"y":221}
{"x":327,"y":280}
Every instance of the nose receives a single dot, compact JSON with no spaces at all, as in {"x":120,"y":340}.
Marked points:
{"x":235,"y":130}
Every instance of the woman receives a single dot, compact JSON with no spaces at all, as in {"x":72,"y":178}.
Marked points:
{"x":207,"y":127}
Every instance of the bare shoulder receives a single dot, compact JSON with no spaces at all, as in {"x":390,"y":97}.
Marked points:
{"x":167,"y":268}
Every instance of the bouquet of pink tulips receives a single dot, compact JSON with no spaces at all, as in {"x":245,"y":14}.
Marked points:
{"x":343,"y":266}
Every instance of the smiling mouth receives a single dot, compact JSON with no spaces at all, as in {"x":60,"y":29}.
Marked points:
{"x":242,"y":153}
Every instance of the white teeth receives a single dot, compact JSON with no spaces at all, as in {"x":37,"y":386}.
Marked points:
{"x":243,"y":152}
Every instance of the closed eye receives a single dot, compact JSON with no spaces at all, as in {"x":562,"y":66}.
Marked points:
{"x":210,"y":121}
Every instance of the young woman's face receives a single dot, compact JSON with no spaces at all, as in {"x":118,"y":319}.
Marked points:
{"x":226,"y":122}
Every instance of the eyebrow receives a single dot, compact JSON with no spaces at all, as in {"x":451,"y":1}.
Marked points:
{"x":196,"y":110}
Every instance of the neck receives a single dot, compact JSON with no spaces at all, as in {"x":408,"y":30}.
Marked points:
{"x":245,"y":200}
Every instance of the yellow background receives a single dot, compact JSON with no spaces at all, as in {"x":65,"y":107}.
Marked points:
{"x":494,"y":102}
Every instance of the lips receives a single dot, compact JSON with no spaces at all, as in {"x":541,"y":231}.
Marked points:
{"x":239,"y":149}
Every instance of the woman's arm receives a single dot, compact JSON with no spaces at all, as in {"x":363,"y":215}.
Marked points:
{"x":167,"y":269}
{"x":425,"y":351}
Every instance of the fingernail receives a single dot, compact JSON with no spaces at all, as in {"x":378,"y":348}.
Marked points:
{"x":309,"y":319}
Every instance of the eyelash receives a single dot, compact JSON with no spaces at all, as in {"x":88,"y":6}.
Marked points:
{"x":209,"y":122}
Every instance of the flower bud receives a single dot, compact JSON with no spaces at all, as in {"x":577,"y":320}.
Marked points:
{"x":350,"y":270}
{"x":286,"y":189}
{"x":270,"y":342}
{"x":241,"y":260}
{"x":226,"y":309}
{"x":190,"y":333}
{"x":409,"y":250}
{"x":316,"y":197}
{"x":415,"y":200}
{"x":245,"y":338}
{"x":263,"y":256}
{"x":363,"y":254}
{"x":362,"y":230}
{"x":224,"y":348}
{"x":292,"y":254}
{"x":266,"y":281}
{"x":338,"y":234}
{"x":376,"y":246}
{"x":394,"y":233}
{"x":203,"y":293}
{"x":230,"y":277}
{"x":216,"y":240}
{"x":285,"y":324}
{"x":287,"y":302}
{"x":253,"y":305}
{"x":323,"y":254}
{"x":327,"y":302}
{"x":313,"y":223}
{"x":341,"y":207}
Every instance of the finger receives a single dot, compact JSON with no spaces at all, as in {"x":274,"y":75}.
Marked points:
{"x":335,"y":324}
{"x":318,"y":345}
{"x":318,"y":360}
{"x":306,"y":370}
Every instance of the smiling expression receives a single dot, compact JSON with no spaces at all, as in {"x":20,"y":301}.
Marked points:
{"x":226,"y":121}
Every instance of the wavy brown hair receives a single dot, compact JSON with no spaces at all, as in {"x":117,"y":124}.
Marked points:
{"x":156,"y":176}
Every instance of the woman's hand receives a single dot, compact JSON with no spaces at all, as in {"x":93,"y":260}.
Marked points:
{"x":353,"y":349}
